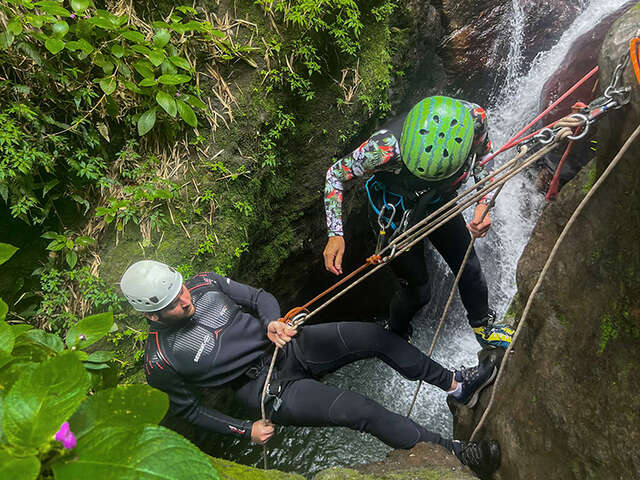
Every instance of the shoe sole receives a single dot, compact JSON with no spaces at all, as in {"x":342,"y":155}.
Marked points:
{"x":474,"y":398}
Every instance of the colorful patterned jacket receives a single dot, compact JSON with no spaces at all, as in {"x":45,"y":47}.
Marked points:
{"x":381,"y":152}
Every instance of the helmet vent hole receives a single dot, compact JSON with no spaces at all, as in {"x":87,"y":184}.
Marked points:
{"x":421,"y":170}
{"x":458,"y":140}
{"x":445,"y":154}
{"x":441,"y":135}
{"x":436,"y":118}
{"x":454,"y":122}
{"x":422,"y":131}
{"x":428,"y":149}
{"x":154,"y":299}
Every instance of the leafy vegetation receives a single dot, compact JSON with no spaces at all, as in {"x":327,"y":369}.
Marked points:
{"x":62,"y":417}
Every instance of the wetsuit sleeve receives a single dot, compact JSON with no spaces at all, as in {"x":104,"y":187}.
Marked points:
{"x":257,"y":300}
{"x":377,"y":152}
{"x":184,"y":404}
{"x":482,"y":148}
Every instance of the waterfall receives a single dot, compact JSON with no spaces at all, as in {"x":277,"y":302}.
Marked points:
{"x":516,"y":104}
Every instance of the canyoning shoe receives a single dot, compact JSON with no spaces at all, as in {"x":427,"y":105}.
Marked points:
{"x":472,"y":381}
{"x":494,"y":336}
{"x":490,"y":334}
{"x":482,"y":457}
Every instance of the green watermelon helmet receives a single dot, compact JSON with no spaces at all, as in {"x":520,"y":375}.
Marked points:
{"x":436,"y":138}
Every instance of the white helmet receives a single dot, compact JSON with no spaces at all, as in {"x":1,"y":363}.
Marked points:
{"x":150,"y":286}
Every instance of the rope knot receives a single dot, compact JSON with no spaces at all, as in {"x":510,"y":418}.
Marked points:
{"x":374,"y":259}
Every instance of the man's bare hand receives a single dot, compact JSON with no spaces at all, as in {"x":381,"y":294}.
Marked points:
{"x":262,"y":431}
{"x":280,"y":333}
{"x":477,"y":226}
{"x":333,"y":253}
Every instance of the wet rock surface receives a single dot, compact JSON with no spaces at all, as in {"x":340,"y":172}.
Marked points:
{"x":422,"y":462}
{"x":475,"y":52}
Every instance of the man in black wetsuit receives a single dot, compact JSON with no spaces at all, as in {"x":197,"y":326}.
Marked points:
{"x":201,"y":335}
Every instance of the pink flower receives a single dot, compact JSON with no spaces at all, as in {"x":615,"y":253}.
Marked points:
{"x":66,"y":436}
{"x":83,"y":336}
{"x":177,"y":94}
{"x":73,"y":15}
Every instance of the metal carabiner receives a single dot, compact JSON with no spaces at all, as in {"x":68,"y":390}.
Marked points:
{"x":298,"y":319}
{"x":545,"y":131}
{"x":585,"y":125}
{"x":381,"y":223}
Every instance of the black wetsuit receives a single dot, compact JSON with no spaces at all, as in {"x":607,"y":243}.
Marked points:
{"x":224,"y":345}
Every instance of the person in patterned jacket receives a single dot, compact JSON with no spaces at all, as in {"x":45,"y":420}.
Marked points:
{"x":211,"y":332}
{"x":417,"y":163}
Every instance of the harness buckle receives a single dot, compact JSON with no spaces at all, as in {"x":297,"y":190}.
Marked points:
{"x":275,"y":397}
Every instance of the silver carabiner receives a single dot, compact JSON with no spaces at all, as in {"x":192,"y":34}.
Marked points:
{"x":298,"y":319}
{"x":545,"y":131}
{"x":381,"y":223}
{"x":585,"y":124}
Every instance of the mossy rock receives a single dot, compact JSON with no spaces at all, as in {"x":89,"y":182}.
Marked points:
{"x":234,"y":471}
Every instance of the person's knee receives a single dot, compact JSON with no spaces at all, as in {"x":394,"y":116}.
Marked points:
{"x":353,"y":410}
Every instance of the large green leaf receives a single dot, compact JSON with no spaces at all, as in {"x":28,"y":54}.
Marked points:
{"x":60,"y":29}
{"x":7,"y":339}
{"x":79,"y":6}
{"x":140,"y":453}
{"x":195,"y":102}
{"x":147,"y":82}
{"x":161,"y":38}
{"x":14,"y":26}
{"x":5,"y":358}
{"x":20,"y":328}
{"x":40,"y":337}
{"x":167,"y":102}
{"x":54,"y":45}
{"x":146,"y":121}
{"x":19,"y":468}
{"x":4,"y":309}
{"x":53,"y":8}
{"x":144,"y":68}
{"x":125,"y":405}
{"x":187,"y":113}
{"x":6,"y":252}
{"x":100,"y":356}
{"x":180,"y":62}
{"x":156,"y":57}
{"x":89,"y":330}
{"x":173,"y":79}
{"x":133,"y":36}
{"x":39,"y":402}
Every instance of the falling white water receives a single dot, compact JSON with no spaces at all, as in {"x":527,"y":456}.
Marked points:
{"x":514,"y":104}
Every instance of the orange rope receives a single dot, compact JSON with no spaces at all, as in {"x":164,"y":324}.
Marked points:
{"x":372,"y":260}
{"x":633,"y":52}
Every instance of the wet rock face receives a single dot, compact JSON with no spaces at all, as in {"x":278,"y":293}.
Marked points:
{"x":475,"y":46}
{"x":581,"y":58}
{"x":568,"y":403}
